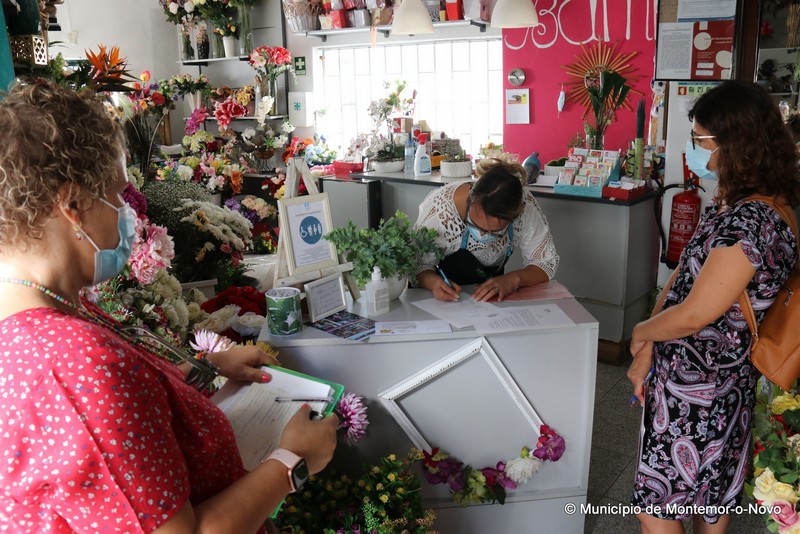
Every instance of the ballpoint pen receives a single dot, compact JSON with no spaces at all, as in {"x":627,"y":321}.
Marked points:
{"x":649,"y":376}
{"x":446,"y":280}
{"x":300,"y":399}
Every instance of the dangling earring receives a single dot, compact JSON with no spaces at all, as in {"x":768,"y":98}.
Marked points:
{"x":78,"y":234}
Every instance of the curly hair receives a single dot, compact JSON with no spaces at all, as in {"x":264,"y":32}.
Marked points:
{"x":499,"y":189}
{"x":52,"y":137}
{"x":757,"y":152}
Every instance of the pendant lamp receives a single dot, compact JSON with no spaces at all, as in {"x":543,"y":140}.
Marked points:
{"x":514,"y":14}
{"x":411,"y":18}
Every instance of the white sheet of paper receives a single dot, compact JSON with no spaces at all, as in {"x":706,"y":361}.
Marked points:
{"x":524,"y":318}
{"x":257,"y":419}
{"x":411,"y":327}
{"x":461,"y":313}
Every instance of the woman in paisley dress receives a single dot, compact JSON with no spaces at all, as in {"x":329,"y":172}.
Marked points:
{"x":479,"y":224}
{"x":695,"y":434}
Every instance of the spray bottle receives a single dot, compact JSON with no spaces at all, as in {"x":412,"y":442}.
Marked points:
{"x":422,"y":161}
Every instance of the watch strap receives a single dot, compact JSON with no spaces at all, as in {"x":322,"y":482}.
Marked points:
{"x":290,"y":460}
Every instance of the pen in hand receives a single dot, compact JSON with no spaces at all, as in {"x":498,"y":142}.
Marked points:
{"x":446,"y":280}
{"x":649,"y":376}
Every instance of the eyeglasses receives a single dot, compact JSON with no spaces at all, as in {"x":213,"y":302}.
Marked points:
{"x":695,"y":136}
{"x":469,"y":222}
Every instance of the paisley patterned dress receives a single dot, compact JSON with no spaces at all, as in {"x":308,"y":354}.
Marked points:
{"x":695,"y":436}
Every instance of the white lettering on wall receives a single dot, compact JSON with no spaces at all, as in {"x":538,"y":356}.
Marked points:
{"x":553,"y":26}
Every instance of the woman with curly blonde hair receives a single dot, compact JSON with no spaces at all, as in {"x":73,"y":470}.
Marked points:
{"x":479,"y":225}
{"x":100,"y":434}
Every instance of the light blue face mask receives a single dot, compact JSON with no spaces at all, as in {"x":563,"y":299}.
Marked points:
{"x":697,"y":159}
{"x":483,"y":239}
{"x":108,"y":263}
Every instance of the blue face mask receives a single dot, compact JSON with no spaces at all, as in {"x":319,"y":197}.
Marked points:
{"x":483,"y":239}
{"x":108,"y":263}
{"x":697,"y":159}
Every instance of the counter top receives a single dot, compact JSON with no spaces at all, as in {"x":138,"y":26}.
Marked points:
{"x":403,"y":309}
{"x":434,"y":179}
{"x":547,"y":192}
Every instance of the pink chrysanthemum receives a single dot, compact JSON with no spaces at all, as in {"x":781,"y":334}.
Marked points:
{"x":152,"y":251}
{"x":208,"y":341}
{"x":353,"y":415}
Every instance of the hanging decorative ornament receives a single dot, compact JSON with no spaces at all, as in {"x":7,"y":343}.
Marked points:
{"x":562,"y":99}
{"x":587,"y":68}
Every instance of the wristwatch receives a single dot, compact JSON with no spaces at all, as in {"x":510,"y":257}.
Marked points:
{"x":296,"y":467}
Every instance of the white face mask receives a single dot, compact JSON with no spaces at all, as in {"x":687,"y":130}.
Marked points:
{"x":477,"y":235}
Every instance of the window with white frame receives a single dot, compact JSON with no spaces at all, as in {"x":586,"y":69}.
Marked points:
{"x":459,"y":88}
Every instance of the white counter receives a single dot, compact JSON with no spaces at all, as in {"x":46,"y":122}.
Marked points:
{"x":466,"y":412}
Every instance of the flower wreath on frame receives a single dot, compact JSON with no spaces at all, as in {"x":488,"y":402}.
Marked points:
{"x":488,"y":485}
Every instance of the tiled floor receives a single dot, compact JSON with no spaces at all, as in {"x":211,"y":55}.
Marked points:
{"x":612,"y":466}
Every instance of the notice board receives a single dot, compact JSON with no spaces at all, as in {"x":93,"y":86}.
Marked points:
{"x":695,"y":39}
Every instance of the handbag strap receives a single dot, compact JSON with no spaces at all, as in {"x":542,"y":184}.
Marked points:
{"x":788,"y":216}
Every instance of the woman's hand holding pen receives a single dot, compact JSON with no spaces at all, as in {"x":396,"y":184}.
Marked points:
{"x":313,"y":440}
{"x":444,"y":291}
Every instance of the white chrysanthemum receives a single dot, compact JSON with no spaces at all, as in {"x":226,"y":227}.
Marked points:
{"x":207,"y":341}
{"x":185,"y":172}
{"x":520,"y":470}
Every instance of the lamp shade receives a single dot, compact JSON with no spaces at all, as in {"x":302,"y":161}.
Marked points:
{"x":514,"y":14}
{"x":412,"y":18}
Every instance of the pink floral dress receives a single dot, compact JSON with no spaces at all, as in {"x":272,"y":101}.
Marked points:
{"x":98,"y":436}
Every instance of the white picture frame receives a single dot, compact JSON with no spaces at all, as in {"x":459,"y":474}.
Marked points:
{"x":325,"y":296}
{"x":477,"y":351}
{"x":303,"y":222}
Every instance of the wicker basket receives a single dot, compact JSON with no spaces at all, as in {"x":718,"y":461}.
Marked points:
{"x":302,"y":16}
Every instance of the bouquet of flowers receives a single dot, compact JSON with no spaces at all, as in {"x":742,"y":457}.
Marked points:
{"x":195,"y":122}
{"x":776,"y":430}
{"x":238,"y":313}
{"x":270,"y":62}
{"x":314,"y":150}
{"x":385,"y":499}
{"x":179,"y":11}
{"x":146,"y":108}
{"x":185,"y":84}
{"x":225,"y":26}
{"x":260,"y":214}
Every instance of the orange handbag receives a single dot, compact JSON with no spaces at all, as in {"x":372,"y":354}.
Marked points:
{"x":775,"y":349}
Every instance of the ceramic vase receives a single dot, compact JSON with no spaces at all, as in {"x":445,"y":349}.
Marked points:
{"x":229,"y":44}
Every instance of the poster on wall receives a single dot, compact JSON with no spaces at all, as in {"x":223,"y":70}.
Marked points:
{"x":695,"y":42}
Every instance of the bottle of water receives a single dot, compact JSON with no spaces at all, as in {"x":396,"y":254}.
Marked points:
{"x":409,"y":157}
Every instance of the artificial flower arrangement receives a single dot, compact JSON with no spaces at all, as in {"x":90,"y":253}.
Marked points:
{"x":260,"y":214}
{"x":314,"y":150}
{"x":238,"y":313}
{"x":776,"y":430}
{"x":260,"y":144}
{"x":179,"y":11}
{"x":244,"y":95}
{"x":380,"y":146}
{"x":185,"y":84}
{"x":196,"y":121}
{"x":146,"y":108}
{"x":212,"y":238}
{"x":226,"y":111}
{"x":214,"y":171}
{"x":468,"y":485}
{"x":384,"y":499}
{"x":269,"y":62}
{"x":276,"y":185}
{"x":225,"y":26}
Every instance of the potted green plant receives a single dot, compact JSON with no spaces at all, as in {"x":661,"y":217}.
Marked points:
{"x":394,"y":246}
{"x":455,"y":164}
{"x":387,"y":157}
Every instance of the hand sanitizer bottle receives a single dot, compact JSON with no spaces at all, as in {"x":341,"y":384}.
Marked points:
{"x":422,"y":161}
{"x":409,"y":156}
{"x":377,"y":291}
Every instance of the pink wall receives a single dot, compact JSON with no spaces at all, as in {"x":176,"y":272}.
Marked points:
{"x":541,"y":52}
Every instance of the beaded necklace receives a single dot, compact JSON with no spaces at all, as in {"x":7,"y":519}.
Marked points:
{"x":52,"y":294}
{"x":201,"y":373}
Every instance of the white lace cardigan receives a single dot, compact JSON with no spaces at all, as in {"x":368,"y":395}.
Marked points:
{"x":531,"y":233}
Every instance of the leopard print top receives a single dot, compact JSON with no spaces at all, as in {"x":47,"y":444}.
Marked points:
{"x":531,"y":233}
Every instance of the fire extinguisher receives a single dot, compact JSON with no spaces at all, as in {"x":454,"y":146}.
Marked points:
{"x":684,"y":216}
{"x":683,"y":220}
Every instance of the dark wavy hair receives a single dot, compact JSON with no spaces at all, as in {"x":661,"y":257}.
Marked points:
{"x":499,"y":190}
{"x":757,"y":152}
{"x":52,"y":136}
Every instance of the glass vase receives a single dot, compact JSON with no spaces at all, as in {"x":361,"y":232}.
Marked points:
{"x":217,"y":46}
{"x":202,"y":43}
{"x":268,"y":86}
{"x":245,"y":32}
{"x":187,"y":50}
